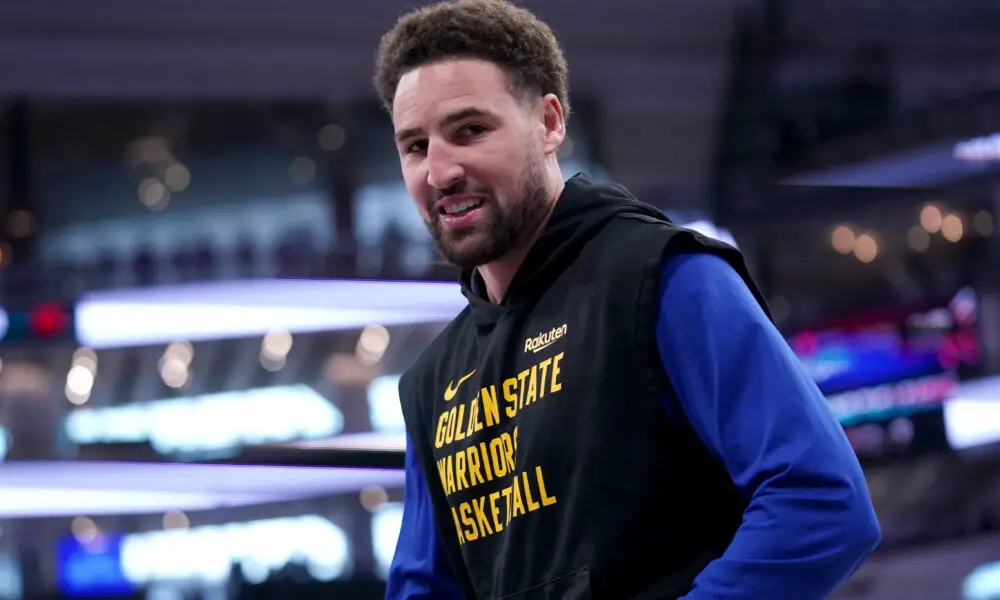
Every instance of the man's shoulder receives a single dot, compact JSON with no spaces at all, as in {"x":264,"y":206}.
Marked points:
{"x":631,"y":240}
{"x":698,"y":277}
{"x":683,"y":239}
{"x":667,"y":241}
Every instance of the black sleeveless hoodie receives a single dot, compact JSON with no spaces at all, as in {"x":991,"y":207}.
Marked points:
{"x":553,"y":468}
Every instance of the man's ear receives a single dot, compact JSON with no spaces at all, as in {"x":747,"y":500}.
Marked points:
{"x":553,"y":123}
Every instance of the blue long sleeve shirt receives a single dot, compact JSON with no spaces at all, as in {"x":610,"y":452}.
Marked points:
{"x":809,"y":522}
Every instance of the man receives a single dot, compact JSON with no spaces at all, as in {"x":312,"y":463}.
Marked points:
{"x":613,"y":415}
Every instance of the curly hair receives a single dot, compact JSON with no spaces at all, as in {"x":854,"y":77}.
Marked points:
{"x":495,"y":31}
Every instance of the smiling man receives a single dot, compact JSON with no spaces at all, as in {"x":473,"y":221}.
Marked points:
{"x":613,"y":415}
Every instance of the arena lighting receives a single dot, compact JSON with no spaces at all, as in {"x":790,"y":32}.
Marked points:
{"x":384,"y":411}
{"x":384,"y":415}
{"x":934,"y":165}
{"x":5,"y":440}
{"x":971,"y":422}
{"x":374,"y":441}
{"x":45,"y":502}
{"x":891,"y":399}
{"x":983,"y":583}
{"x":979,"y":149}
{"x":972,"y":416}
{"x":39,"y":489}
{"x":386,"y":523}
{"x":122,"y":318}
{"x":207,"y":554}
{"x":44,"y":321}
{"x":212,"y":421}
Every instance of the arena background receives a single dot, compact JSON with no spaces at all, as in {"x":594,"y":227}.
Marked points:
{"x":212,"y":276}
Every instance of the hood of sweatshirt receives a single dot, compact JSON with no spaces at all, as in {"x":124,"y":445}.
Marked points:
{"x":583,"y":209}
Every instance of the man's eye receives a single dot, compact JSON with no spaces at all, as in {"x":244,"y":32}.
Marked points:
{"x":417,"y":147}
{"x":471,"y":130}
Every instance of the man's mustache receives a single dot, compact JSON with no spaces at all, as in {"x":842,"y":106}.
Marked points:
{"x":461,"y":187}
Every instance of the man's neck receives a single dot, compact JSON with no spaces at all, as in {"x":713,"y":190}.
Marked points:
{"x":498,"y":274}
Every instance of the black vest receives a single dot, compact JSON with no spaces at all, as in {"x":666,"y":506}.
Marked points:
{"x":540,"y":424}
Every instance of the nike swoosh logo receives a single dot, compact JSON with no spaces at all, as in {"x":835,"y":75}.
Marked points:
{"x":452,"y":388}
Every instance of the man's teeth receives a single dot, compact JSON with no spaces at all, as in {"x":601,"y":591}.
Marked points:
{"x":462,"y":206}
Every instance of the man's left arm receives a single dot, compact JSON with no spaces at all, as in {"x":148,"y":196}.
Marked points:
{"x":810,"y":521}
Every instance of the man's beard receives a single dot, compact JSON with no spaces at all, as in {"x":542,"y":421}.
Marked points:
{"x":498,"y":230}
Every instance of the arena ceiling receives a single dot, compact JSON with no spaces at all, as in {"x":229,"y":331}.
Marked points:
{"x":658,"y":74}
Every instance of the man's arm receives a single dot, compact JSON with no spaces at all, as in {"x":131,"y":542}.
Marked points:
{"x":420,"y":569}
{"x":810,"y":521}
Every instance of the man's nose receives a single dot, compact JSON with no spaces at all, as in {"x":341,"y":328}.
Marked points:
{"x":443,"y":169}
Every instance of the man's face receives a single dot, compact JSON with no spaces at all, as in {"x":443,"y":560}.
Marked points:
{"x":472,"y":159}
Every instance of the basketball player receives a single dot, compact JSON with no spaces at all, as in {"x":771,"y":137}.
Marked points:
{"x":614,"y":414}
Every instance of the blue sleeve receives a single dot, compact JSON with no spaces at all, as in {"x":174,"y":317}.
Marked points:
{"x":810,"y":521}
{"x":420,"y":568}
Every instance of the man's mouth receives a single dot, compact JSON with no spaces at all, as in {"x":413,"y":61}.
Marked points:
{"x":460,"y":208}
